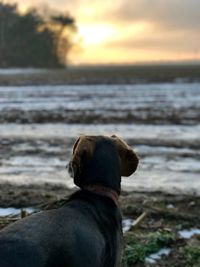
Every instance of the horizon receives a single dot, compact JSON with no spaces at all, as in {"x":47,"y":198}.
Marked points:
{"x":140,"y":63}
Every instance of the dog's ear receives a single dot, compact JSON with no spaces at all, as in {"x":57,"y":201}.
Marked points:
{"x":129,"y":160}
{"x":82,"y":152}
{"x":75,"y":144}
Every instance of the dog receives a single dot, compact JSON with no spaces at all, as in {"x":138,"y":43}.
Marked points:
{"x":87,"y":230}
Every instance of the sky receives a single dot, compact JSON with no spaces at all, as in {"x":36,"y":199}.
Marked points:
{"x":130,"y":31}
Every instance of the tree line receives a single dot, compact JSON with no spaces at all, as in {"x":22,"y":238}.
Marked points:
{"x":33,"y":40}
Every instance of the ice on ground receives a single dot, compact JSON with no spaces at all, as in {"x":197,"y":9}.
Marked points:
{"x":152,"y":258}
{"x":166,"y":133}
{"x":14,"y":71}
{"x":127,"y":224}
{"x":14,"y":211}
{"x":188,"y":233}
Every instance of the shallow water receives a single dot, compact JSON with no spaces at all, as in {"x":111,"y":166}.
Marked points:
{"x":38,"y":152}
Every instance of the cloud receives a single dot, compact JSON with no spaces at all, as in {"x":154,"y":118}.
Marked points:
{"x":175,"y":25}
{"x":169,"y":14}
{"x":176,"y":42}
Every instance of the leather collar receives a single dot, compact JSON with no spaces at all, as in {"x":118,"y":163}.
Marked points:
{"x":104,"y":191}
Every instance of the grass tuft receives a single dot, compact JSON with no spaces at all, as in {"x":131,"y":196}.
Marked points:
{"x":138,"y":248}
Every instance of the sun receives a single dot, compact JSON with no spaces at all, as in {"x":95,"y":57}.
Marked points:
{"x":95,"y":34}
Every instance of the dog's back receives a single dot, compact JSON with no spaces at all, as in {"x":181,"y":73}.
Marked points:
{"x":86,"y":231}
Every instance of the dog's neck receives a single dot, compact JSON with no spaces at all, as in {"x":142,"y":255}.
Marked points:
{"x":104,"y":191}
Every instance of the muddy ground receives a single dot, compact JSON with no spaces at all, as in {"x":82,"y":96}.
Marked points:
{"x":165,"y":216}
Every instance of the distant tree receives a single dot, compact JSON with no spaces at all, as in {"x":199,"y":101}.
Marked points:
{"x":63,"y":42}
{"x":30,"y":40}
{"x":8,"y":18}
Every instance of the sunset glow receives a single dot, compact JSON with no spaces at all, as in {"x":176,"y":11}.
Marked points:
{"x":130,"y":31}
{"x":96,"y":34}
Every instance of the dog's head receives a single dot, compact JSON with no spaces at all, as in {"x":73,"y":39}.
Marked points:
{"x":101,"y":160}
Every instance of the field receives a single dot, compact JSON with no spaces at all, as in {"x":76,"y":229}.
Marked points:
{"x":102,"y":75}
{"x":156,"y":109}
